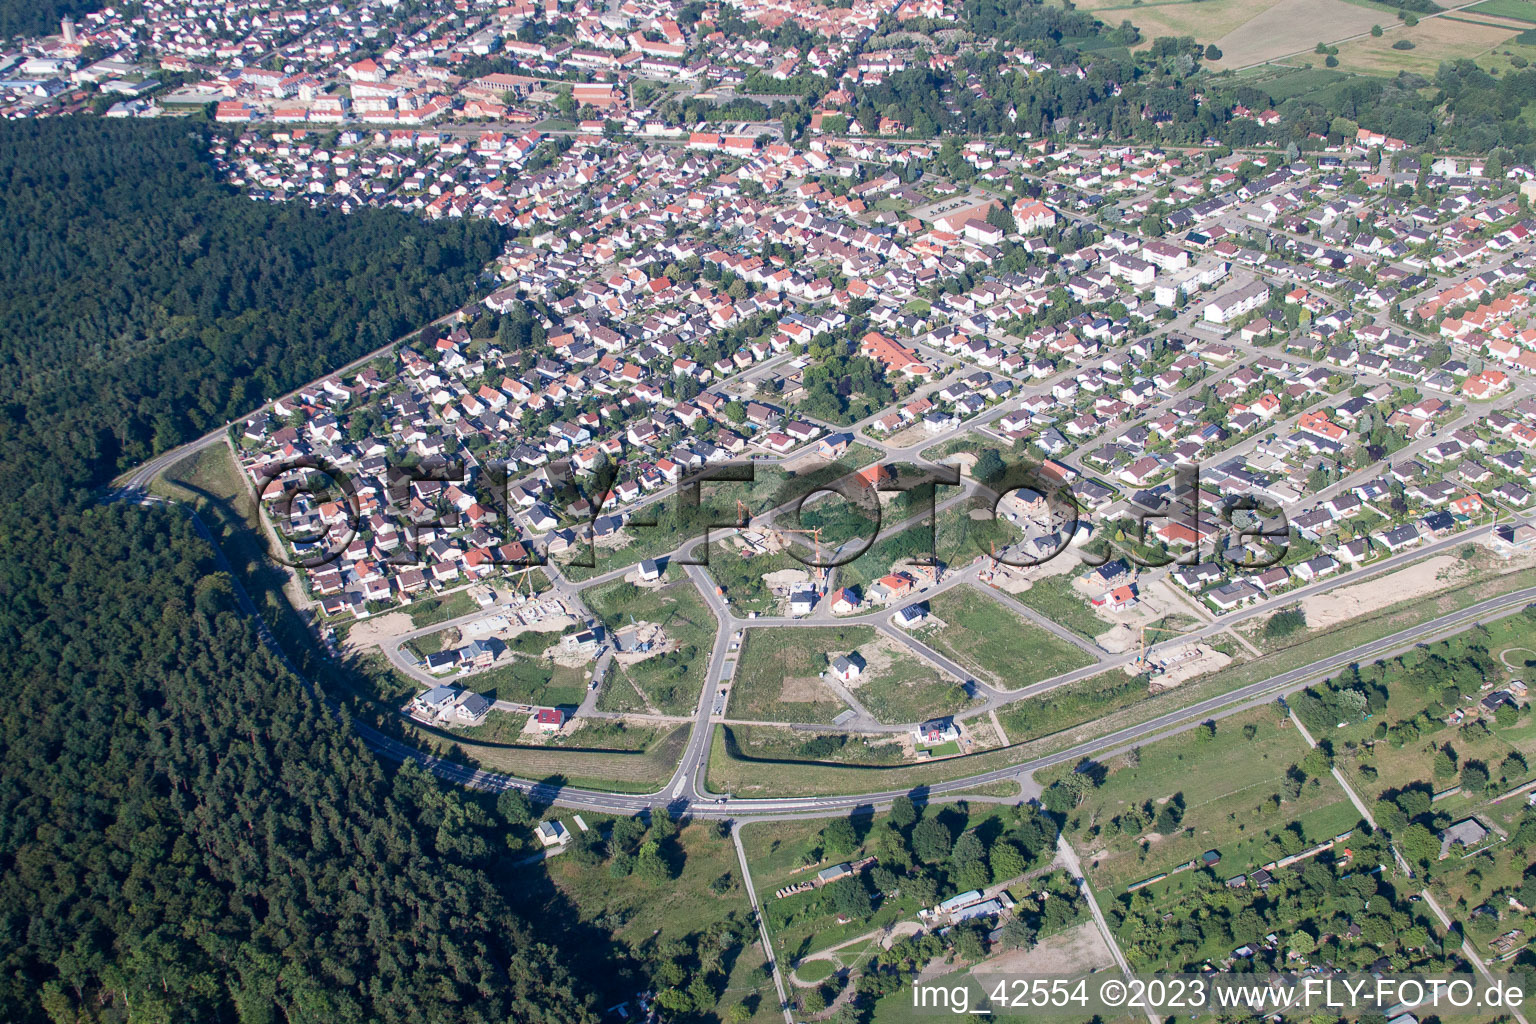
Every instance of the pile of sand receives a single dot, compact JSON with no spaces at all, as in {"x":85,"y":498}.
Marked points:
{"x":1118,"y":639}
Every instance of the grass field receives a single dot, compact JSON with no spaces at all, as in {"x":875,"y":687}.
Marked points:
{"x":1298,"y":82}
{"x":1206,"y":20}
{"x":960,"y":538}
{"x":1228,"y":785}
{"x":1074,"y":704}
{"x":668,"y":683}
{"x":1435,"y":40}
{"x":877,"y":561}
{"x":641,"y":771}
{"x":995,"y":643}
{"x":1054,"y":598}
{"x":786,"y":662}
{"x":741,"y":575}
{"x":1520,"y":10}
{"x":779,"y":743}
{"x":910,"y":691}
{"x":1246,"y":31}
{"x":433,"y":610}
{"x":596,"y":734}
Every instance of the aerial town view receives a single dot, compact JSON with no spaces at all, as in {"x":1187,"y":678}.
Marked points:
{"x":765,"y":511}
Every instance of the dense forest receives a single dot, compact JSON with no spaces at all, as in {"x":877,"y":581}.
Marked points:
{"x":186,"y":833}
{"x":39,"y":17}
{"x":147,"y":303}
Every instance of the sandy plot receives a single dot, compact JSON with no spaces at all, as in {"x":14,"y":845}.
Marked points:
{"x":373,"y":631}
{"x":1427,"y":577}
{"x":878,"y":657}
{"x":786,"y":579}
{"x":908,"y":436}
{"x":1185,"y":663}
{"x":967,"y":462}
{"x":1291,"y":26}
{"x":1018,"y":579}
{"x":1434,"y":40}
{"x":1067,"y":953}
{"x":805,"y":690}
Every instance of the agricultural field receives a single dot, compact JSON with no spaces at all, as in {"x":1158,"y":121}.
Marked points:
{"x":1434,"y":40}
{"x":1198,"y":791}
{"x":1186,"y":17}
{"x":665,"y":682}
{"x":995,"y":643}
{"x":1247,"y":31}
{"x":778,"y":673}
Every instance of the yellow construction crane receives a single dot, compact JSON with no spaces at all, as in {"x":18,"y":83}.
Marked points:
{"x":1141,"y":659}
{"x":815,"y":535}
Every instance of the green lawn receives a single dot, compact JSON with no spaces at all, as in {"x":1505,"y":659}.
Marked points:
{"x":995,"y":643}
{"x":787,"y":661}
{"x":1054,"y":598}
{"x":430,"y":611}
{"x":532,"y":676}
{"x":910,"y":691}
